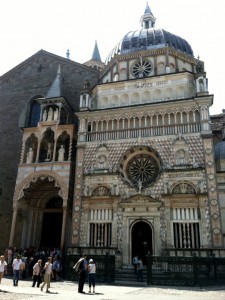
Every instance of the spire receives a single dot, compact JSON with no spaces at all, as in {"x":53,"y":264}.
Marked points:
{"x":147,"y":20}
{"x":96,"y":54}
{"x":56,"y":88}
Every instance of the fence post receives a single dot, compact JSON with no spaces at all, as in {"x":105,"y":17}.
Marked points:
{"x":195,"y":269}
{"x":149,"y":269}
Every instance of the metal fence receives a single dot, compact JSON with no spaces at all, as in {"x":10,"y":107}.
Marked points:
{"x":185,"y":271}
{"x":105,"y":267}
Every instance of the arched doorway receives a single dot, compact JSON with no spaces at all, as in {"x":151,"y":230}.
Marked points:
{"x":141,"y":235}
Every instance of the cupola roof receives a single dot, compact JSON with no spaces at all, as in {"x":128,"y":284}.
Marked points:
{"x":149,"y":38}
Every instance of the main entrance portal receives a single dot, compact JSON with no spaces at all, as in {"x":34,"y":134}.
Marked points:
{"x":141,"y":240}
{"x":51,"y":229}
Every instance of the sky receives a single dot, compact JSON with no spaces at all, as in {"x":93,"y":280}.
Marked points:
{"x":27,"y":26}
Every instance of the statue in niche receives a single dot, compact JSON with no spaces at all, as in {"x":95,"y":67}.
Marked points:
{"x":139,"y":186}
{"x":44,"y":117}
{"x":49,"y":152}
{"x":50,"y":114}
{"x":30,"y":156}
{"x":61,"y":153}
{"x":86,"y":190}
{"x":56,"y":114}
{"x":165,"y":187}
{"x":201,"y":186}
{"x":180,"y":157}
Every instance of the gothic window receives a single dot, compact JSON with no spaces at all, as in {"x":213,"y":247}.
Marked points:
{"x":186,"y":233}
{"x":34,"y":114}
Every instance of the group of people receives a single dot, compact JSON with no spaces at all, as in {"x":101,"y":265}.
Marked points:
{"x":138,"y":267}
{"x":40,"y":264}
{"x":84,"y":266}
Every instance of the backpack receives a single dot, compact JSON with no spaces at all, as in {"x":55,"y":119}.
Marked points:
{"x":77,"y":265}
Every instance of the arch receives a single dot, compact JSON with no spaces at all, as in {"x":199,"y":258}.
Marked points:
{"x":134,"y":98}
{"x":34,"y":115}
{"x":59,"y":182}
{"x":141,"y":233}
{"x":63,"y":140}
{"x":157,"y":96}
{"x":47,"y":145}
{"x":114,"y":101}
{"x":146,"y":97}
{"x":123,"y":74}
{"x":161,"y":67}
{"x":124,"y":100}
{"x":101,"y":191}
{"x":31,"y":143}
{"x":168,"y":94}
{"x":183,"y":188}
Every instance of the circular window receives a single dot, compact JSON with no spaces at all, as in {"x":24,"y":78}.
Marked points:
{"x":140,"y":165}
{"x":142,"y":168}
{"x":142,"y":69}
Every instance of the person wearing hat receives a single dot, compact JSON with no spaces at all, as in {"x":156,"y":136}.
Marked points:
{"x":16,"y":269}
{"x":91,"y":275}
{"x":3,"y":266}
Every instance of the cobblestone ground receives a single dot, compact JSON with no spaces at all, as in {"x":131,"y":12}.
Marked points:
{"x":66,"y":290}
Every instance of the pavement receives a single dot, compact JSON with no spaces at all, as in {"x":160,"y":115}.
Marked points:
{"x":67,"y":290}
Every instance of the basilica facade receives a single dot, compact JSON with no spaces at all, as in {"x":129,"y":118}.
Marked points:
{"x":121,"y":157}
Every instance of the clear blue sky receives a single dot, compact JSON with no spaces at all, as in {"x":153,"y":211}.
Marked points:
{"x":27,"y":26}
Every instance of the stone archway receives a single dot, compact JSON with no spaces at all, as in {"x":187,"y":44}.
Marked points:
{"x":141,"y":240}
{"x":39,"y":210}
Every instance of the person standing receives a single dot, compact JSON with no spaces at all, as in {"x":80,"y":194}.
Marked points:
{"x":3,"y":266}
{"x":48,"y":274}
{"x":82,"y":274}
{"x":139,"y":270}
{"x":37,"y":273}
{"x":135,"y":263}
{"x":91,"y":275}
{"x":16,"y":269}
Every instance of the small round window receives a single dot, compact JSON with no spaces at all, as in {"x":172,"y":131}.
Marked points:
{"x":142,"y":69}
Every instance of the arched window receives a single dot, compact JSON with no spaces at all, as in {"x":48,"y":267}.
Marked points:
{"x":34,"y":114}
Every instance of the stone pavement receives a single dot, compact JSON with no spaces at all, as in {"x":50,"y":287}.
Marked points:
{"x":67,"y":290}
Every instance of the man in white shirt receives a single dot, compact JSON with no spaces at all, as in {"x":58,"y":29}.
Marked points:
{"x":16,"y":269}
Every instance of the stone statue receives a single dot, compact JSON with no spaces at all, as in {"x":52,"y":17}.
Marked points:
{"x":56,"y":114}
{"x":50,"y":114}
{"x":61,"y":153}
{"x":30,"y":156}
{"x":49,"y":152}
{"x":44,"y":117}
{"x":139,"y":186}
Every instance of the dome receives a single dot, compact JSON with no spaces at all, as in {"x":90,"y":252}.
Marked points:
{"x":149,"y":38}
{"x":219,"y":150}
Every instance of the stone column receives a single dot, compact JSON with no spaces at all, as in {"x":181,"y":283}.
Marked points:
{"x":63,"y":228}
{"x":12,"y":232}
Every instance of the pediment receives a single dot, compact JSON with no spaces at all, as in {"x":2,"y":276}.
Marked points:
{"x":42,"y":55}
{"x":138,"y":198}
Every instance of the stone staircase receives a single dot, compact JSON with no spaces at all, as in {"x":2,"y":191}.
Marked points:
{"x":127,"y":277}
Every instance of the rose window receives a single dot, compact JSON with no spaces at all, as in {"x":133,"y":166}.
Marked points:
{"x":141,"y":166}
{"x":142,"y":69}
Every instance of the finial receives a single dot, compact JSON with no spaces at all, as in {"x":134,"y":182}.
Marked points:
{"x":68,"y":54}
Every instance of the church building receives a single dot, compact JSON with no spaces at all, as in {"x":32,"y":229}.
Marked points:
{"x":120,"y":157}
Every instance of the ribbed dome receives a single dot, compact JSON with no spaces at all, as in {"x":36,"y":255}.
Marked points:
{"x":149,"y":38}
{"x":219,"y":150}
